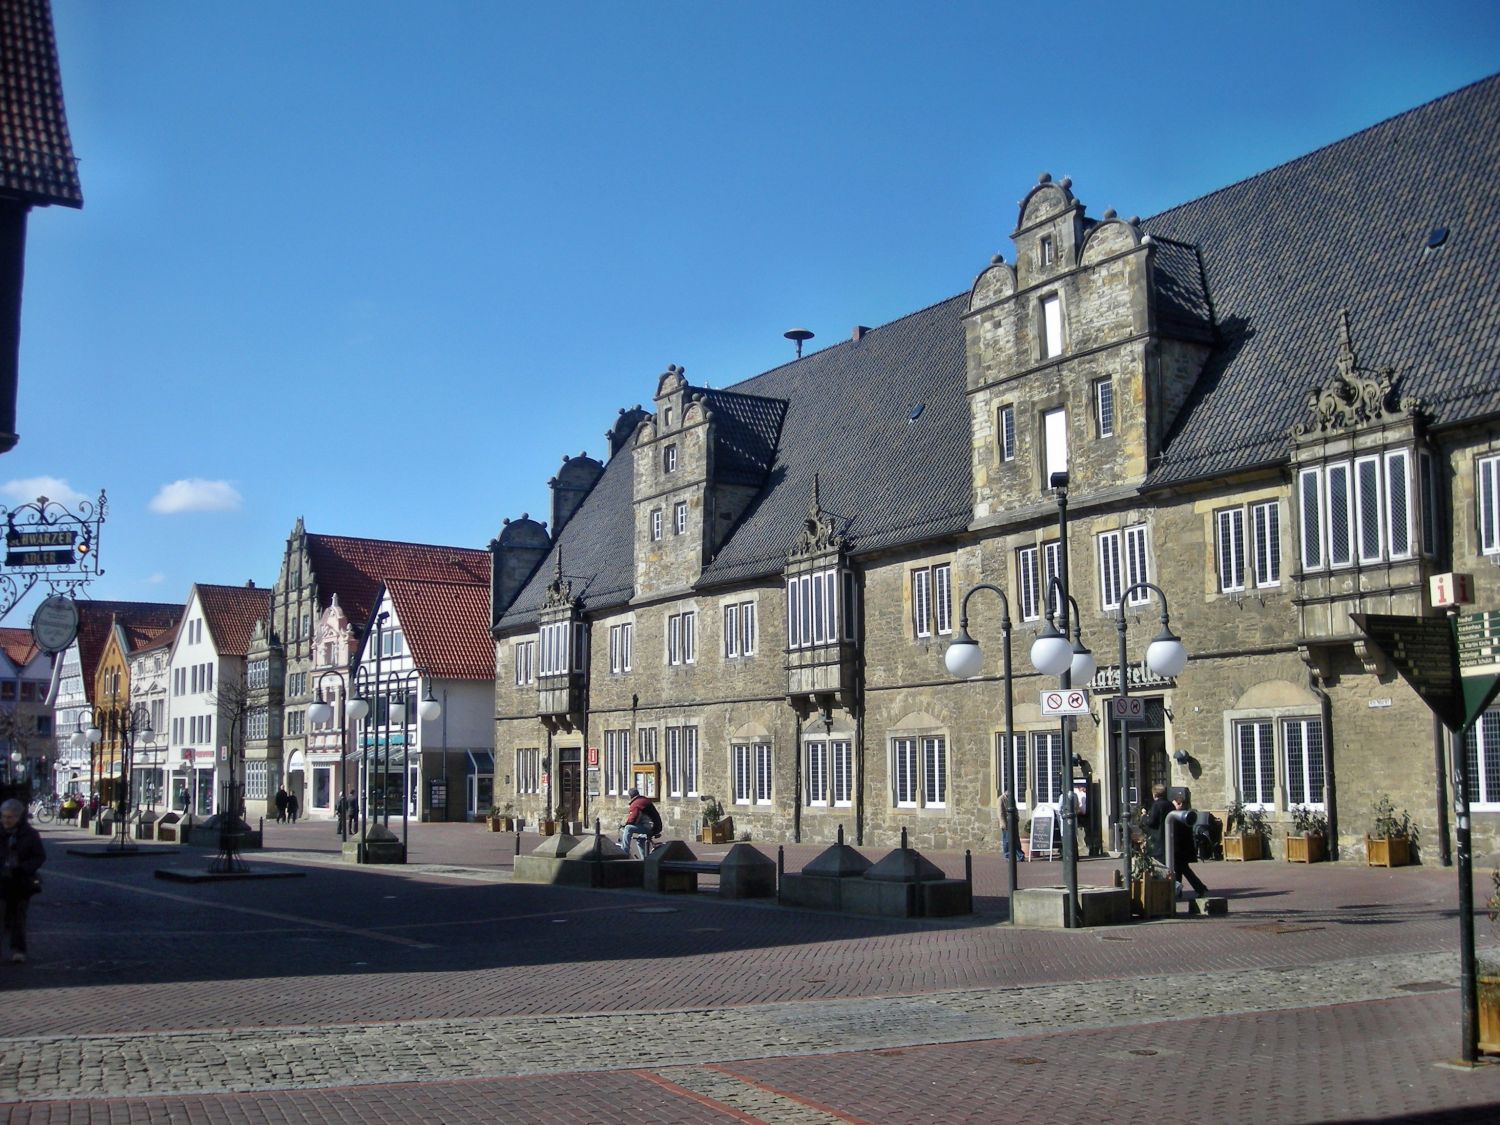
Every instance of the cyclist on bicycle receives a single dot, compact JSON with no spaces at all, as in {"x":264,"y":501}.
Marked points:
{"x":641,"y":820}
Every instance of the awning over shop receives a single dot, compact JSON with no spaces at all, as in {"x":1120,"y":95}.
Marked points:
{"x":481,"y":761}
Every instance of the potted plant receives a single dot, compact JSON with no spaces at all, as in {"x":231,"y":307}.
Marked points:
{"x":1307,"y":842}
{"x":1152,"y":894}
{"x":547,"y":826}
{"x":717,"y":828}
{"x":1244,"y":832}
{"x":1389,"y":843}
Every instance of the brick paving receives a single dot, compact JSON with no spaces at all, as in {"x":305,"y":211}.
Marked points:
{"x":299,"y":1000}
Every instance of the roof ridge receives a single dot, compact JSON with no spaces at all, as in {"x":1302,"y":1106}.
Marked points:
{"x":1323,"y":147}
{"x":394,"y":542}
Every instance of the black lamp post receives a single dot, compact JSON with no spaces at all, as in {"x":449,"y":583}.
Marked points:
{"x":321,"y":714}
{"x":427,"y":710}
{"x":1166,"y":656}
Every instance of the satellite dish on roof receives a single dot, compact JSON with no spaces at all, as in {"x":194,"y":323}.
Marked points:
{"x":798,"y":335}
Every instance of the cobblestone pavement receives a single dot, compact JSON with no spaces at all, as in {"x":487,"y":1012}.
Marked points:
{"x":442,"y":992}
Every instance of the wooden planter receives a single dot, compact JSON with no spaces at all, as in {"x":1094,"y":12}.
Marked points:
{"x":547,"y":827}
{"x":1311,"y":847}
{"x":1489,"y":1012}
{"x":1243,"y":846}
{"x":1388,"y":851}
{"x":1153,"y":898}
{"x":720,"y":833}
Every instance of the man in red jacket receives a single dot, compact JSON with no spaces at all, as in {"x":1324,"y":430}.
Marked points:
{"x":642,"y":819}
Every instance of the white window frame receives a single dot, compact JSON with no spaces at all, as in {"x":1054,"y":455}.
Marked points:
{"x":1265,"y":542}
{"x":841,"y":772}
{"x":1362,"y":511}
{"x":1482,"y":748}
{"x":1104,"y":407}
{"x":679,"y":517}
{"x":905,"y":772}
{"x":1124,"y":564}
{"x":741,"y":773}
{"x":1012,"y":770}
{"x":1005,"y":428}
{"x":1050,"y":338}
{"x":1045,"y":250}
{"x":529,"y":770}
{"x":621,"y":644}
{"x":617,"y":776}
{"x":525,"y":659}
{"x":765,"y":777}
{"x":1054,"y":444}
{"x":739,"y":630}
{"x":1109,"y":570}
{"x":935,"y":774}
{"x":669,"y":457}
{"x":1029,"y":583}
{"x":1307,"y":776}
{"x":1487,"y":504}
{"x":1260,"y":769}
{"x":1046,"y":755}
{"x":655,"y":525}
{"x":1229,"y":549}
{"x":813,"y":608}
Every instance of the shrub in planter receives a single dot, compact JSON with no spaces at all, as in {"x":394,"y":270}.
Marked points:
{"x":1390,"y":841}
{"x":717,"y":827}
{"x":1307,"y":842}
{"x":1245,"y":832}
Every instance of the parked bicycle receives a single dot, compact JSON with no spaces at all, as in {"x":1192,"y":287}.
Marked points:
{"x":44,"y":809}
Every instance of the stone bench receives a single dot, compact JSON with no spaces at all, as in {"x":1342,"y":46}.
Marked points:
{"x":743,"y":872}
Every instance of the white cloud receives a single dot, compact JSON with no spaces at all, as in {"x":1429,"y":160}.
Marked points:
{"x":195,"y":496}
{"x":25,"y":491}
{"x":155,"y":579}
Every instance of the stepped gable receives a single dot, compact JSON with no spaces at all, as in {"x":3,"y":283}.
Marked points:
{"x":354,"y":569}
{"x":1347,"y":227}
{"x":232,"y":613}
{"x":96,"y":619}
{"x":18,"y":645}
{"x":36,"y":152}
{"x":446,"y":626}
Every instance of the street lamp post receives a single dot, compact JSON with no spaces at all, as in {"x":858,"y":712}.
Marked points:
{"x":1167,"y":657}
{"x":427,"y":710}
{"x":964,"y":660}
{"x":321,"y":714}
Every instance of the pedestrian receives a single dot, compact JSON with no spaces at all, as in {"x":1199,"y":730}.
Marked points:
{"x":341,"y":810}
{"x":293,"y":807}
{"x":1182,"y":847}
{"x":1156,"y":823}
{"x":353,"y":813}
{"x":21,"y":857}
{"x":641,"y":820}
{"x":281,"y":803}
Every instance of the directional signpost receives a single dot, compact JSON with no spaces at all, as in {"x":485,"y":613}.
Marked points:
{"x":1453,"y":664}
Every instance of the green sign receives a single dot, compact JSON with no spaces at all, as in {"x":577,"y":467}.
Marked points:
{"x":1453,"y":666}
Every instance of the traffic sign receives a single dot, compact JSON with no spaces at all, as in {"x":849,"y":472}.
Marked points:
{"x":1074,"y":701}
{"x":1130,"y":708}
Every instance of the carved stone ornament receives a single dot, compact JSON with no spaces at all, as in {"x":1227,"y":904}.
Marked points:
{"x":1355,"y":395}
{"x":820,"y":531}
{"x":559,"y":590}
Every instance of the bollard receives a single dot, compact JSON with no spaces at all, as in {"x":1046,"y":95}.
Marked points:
{"x":969,"y":876}
{"x":780,"y":869}
{"x":518,"y":846}
{"x":841,"y":835}
{"x":903,"y":837}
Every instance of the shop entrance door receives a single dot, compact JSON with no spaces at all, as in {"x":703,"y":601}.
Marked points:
{"x":569,"y":783}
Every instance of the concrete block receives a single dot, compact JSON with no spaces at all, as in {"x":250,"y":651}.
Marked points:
{"x":745,"y":873}
{"x":1046,"y":907}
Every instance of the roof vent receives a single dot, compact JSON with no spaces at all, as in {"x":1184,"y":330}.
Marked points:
{"x":798,"y":335}
{"x":916,"y":412}
{"x":859,"y":332}
{"x":1436,"y":237}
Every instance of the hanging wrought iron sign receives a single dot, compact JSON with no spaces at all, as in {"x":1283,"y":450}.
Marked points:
{"x":49,"y":542}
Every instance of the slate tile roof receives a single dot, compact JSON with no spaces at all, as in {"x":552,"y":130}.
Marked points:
{"x":354,"y":568}
{"x":18,"y":645}
{"x":231,"y":613}
{"x":1347,"y":227}
{"x":745,"y":434}
{"x":446,"y":626}
{"x":36,"y":153}
{"x":97,"y":619}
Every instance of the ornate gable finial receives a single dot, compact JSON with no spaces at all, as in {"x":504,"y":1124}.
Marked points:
{"x":559,"y":590}
{"x":1355,"y":395}
{"x":819,"y":530}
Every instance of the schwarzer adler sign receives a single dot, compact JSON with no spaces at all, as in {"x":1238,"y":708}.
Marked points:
{"x":48,"y":541}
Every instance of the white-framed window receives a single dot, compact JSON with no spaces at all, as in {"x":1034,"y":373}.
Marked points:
{"x":258,"y":674}
{"x":1487,"y":504}
{"x":932,"y":600}
{"x":1045,"y":250}
{"x":257,"y":781}
{"x":1005,"y":430}
{"x":1010,"y":767}
{"x":556,"y":648}
{"x":1241,"y":558}
{"x":1482,"y":757}
{"x":1359,"y":510}
{"x":815,"y":615}
{"x":681,"y":638}
{"x":669,"y":457}
{"x":655,"y":524}
{"x":529,"y":770}
{"x":739,"y":630}
{"x":682,"y":761}
{"x":830,"y":772}
{"x":296,"y":722}
{"x":1046,"y":765}
{"x":1229,"y":548}
{"x":1302,"y":751}
{"x":645,"y":744}
{"x":525,"y":656}
{"x":1265,"y":544}
{"x":1122,"y":566}
{"x":679,"y":517}
{"x":763,"y":774}
{"x":616,"y":762}
{"x":741,"y":773}
{"x":1054,"y":445}
{"x":257,"y":722}
{"x":1255,"y":762}
{"x":1104,"y":408}
{"x":1050,"y":337}
{"x":1031,"y":581}
{"x":919,"y":772}
{"x":621,"y":644}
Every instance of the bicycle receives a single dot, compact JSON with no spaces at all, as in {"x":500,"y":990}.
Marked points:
{"x":44,"y":809}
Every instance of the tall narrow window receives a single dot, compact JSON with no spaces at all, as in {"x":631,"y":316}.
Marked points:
{"x":1010,"y":767}
{"x":1005,"y":428}
{"x":742,"y":779}
{"x":921,"y":602}
{"x":1229,"y":548}
{"x":1109,"y":570}
{"x":1104,"y":408}
{"x":1482,"y":751}
{"x":1368,"y":505}
{"x":1046,"y":760}
{"x":1310,"y":495}
{"x":747,"y":629}
{"x":1398,"y":504}
{"x":1028,"y":584}
{"x":1052,"y":568}
{"x":655,"y":524}
{"x":1303,"y":739}
{"x":731,"y":631}
{"x":679,"y":517}
{"x":1488,"y":501}
{"x":1055,"y":443}
{"x":669,"y":458}
{"x":1050,"y":336}
{"x":763,"y":775}
{"x":935,"y":772}
{"x":842,"y":762}
{"x":904,"y":772}
{"x":1045,"y":250}
{"x":1265,"y":525}
{"x":1340,"y":517}
{"x":817,"y":773}
{"x":1257,"y":763}
{"x":1137,"y":571}
{"x":1431,"y":504}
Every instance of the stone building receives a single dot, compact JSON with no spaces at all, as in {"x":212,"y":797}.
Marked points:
{"x":1278,"y":405}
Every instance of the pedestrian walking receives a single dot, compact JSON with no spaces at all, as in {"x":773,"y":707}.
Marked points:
{"x":1183,"y":852}
{"x":341,"y":810}
{"x":293,"y":807}
{"x":281,"y":803}
{"x":21,"y":857}
{"x":1156,"y":823}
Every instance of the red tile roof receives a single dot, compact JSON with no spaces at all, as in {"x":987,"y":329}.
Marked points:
{"x":18,"y":645}
{"x":231,"y":613}
{"x":36,"y":153}
{"x":354,"y":569}
{"x":96,"y":619}
{"x":446,"y":626}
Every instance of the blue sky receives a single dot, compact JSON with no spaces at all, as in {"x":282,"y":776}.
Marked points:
{"x":381,"y":265}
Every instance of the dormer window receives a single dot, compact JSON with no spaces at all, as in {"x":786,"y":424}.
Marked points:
{"x":1044,"y":251}
{"x":669,"y":459}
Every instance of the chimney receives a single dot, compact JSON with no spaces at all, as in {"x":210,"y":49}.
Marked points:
{"x":859,"y":333}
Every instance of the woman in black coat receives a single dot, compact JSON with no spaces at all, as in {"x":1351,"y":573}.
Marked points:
{"x":21,"y":857}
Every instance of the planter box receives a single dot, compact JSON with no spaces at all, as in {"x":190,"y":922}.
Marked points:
{"x":721,"y":833}
{"x":1243,"y":846}
{"x":1388,"y":851}
{"x":1307,"y":848}
{"x":1489,"y":1012}
{"x":500,"y":823}
{"x":547,"y":827}
{"x":1153,"y":898}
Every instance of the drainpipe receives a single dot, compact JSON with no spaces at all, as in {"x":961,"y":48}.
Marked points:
{"x":1330,"y":786}
{"x":1440,"y":739}
{"x":797,"y":780}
